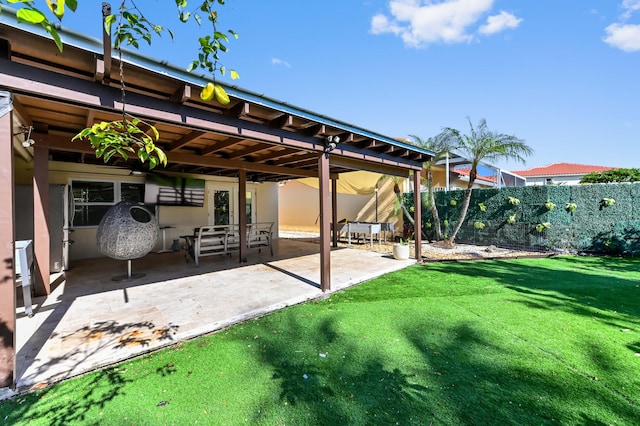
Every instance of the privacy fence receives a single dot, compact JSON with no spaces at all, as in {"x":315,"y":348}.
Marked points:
{"x":601,"y":218}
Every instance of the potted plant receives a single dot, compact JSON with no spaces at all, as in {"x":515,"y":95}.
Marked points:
{"x":401,"y":249}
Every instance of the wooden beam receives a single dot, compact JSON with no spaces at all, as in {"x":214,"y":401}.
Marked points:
{"x":186,"y":139}
{"x":276,"y":154}
{"x":220,"y":145}
{"x":40,"y":83}
{"x":296,"y":159}
{"x":181,"y":95}
{"x":417,"y":216}
{"x":250,"y":150}
{"x":317,"y":130}
{"x":41,"y":237}
{"x":5,"y":49}
{"x":63,"y":143}
{"x":334,"y":211}
{"x":285,"y":121}
{"x":100,"y":71}
{"x":239,"y":110}
{"x":242,"y":216}
{"x":90,"y":118}
{"x":7,"y":266}
{"x":325,"y":217}
{"x":354,"y":164}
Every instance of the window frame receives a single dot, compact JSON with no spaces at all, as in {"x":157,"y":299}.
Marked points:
{"x":117,"y":196}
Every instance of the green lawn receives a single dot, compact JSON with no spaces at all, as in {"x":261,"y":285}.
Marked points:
{"x":530,"y":341}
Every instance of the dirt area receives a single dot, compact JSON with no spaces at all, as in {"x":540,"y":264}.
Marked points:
{"x":435,"y":252}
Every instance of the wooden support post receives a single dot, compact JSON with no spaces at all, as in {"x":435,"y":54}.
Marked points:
{"x":334,"y":211}
{"x":325,"y":214}
{"x":417,"y":215}
{"x":41,"y":235}
{"x":7,"y":266}
{"x":242,"y":213}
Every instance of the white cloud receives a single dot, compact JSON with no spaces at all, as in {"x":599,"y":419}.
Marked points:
{"x":623,"y":36}
{"x":279,"y":62}
{"x":422,"y":22}
{"x":497,"y":23}
{"x":630,"y":6}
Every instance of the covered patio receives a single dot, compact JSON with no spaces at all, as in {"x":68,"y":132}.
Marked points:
{"x":90,"y":321}
{"x":252,"y":139}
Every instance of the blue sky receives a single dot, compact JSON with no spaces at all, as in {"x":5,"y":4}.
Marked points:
{"x":562,"y":75}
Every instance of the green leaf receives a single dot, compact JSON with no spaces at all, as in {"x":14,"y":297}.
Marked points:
{"x":72,"y":4}
{"x":184,"y":16}
{"x":161,"y":156}
{"x":30,"y":16}
{"x":156,"y":134}
{"x":234,"y":75}
{"x":193,"y":65}
{"x":109,"y":154}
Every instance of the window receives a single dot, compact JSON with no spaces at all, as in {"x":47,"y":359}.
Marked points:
{"x":92,"y":199}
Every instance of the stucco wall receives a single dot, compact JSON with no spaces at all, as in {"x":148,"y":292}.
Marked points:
{"x":181,"y":219}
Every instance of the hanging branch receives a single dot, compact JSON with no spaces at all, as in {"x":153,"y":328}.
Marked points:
{"x":125,"y":137}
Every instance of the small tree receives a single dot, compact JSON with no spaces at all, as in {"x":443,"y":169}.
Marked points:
{"x":440,"y":148}
{"x":481,"y":144}
{"x":613,"y":175}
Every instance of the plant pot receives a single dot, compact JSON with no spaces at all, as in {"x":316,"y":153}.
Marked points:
{"x":401,"y":251}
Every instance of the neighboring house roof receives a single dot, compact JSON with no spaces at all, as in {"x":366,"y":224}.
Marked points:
{"x":561,"y":169}
{"x":465,"y":171}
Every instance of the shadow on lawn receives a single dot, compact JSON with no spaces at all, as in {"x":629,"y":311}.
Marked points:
{"x":460,"y":377}
{"x":62,"y":408}
{"x":585,"y":286}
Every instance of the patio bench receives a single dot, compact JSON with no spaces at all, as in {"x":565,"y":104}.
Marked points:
{"x":225,"y":239}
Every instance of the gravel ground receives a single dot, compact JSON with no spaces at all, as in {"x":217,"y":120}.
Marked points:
{"x":430,"y":251}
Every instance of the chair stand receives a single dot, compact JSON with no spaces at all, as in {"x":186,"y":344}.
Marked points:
{"x":129,"y":275}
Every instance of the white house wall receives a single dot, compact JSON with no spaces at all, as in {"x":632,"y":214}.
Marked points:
{"x":182,"y":218}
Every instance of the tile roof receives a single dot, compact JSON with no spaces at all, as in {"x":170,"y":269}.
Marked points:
{"x":464,"y":171}
{"x":557,"y":169}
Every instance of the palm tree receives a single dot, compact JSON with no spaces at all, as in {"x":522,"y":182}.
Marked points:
{"x":481,"y":144}
{"x":440,"y":147}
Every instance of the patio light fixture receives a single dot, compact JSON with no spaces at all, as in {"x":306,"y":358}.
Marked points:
{"x":330,"y":143}
{"x":26,"y":131}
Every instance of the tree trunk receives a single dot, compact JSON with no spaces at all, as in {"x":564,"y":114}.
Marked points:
{"x":434,"y":210}
{"x":463,"y":209}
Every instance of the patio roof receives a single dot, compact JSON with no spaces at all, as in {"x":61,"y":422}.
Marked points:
{"x":57,"y":94}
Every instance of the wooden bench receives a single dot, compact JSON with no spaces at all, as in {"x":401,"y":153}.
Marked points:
{"x":225,"y":239}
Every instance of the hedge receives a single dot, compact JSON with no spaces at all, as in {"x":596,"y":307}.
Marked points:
{"x":592,"y":226}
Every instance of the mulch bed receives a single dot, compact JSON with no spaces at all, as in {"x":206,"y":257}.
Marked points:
{"x":437,"y":252}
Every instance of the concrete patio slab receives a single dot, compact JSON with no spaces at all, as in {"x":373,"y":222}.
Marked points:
{"x":90,"y":321}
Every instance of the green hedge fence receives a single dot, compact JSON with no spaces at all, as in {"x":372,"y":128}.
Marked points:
{"x":593,"y":217}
